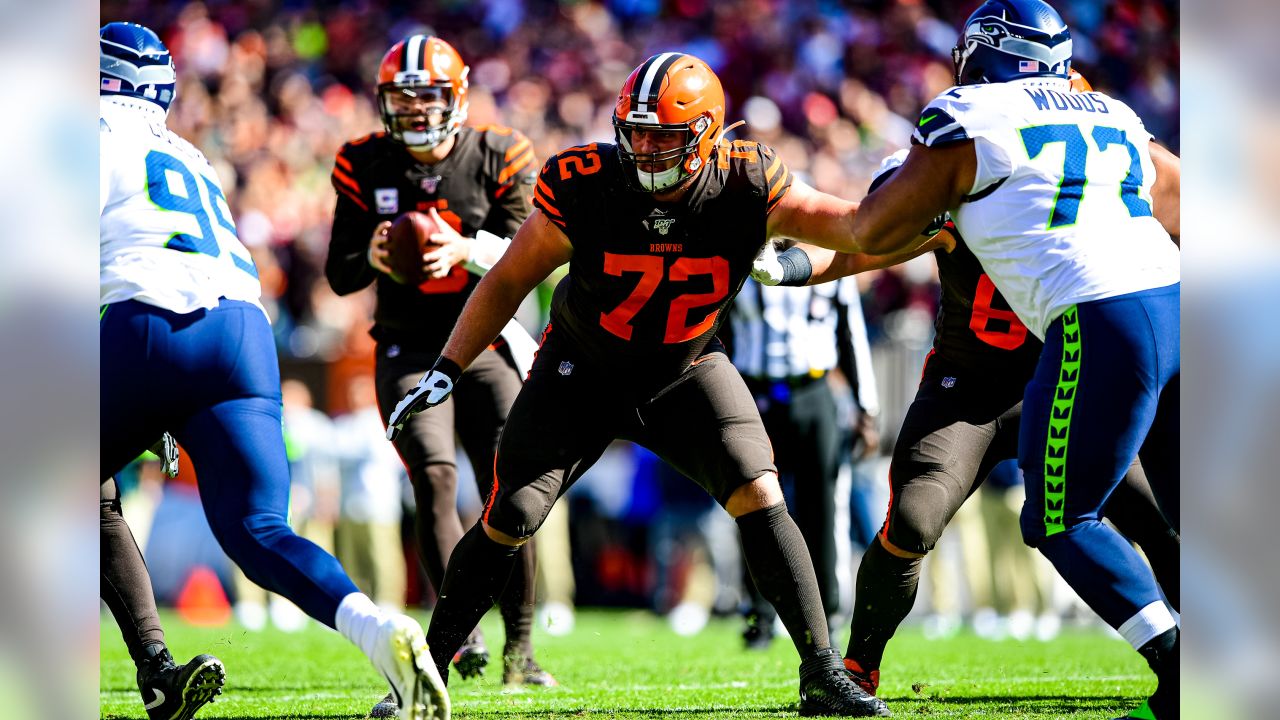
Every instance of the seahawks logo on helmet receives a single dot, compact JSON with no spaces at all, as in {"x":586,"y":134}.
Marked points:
{"x":132,"y":61}
{"x":1010,"y":39}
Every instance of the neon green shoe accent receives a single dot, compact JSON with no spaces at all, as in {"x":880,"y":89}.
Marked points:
{"x":1142,"y":713}
{"x":1064,"y":400}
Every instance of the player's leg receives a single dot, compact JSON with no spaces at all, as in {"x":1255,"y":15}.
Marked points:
{"x":706,"y":425}
{"x":133,"y":394}
{"x":944,"y":443}
{"x":556,"y":429}
{"x":1085,"y":415}
{"x":1160,"y":451}
{"x":237,"y":448}
{"x":1132,"y":508}
{"x":426,"y":448}
{"x":484,"y":396}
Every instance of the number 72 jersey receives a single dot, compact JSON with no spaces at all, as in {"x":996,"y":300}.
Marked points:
{"x":1060,"y":209}
{"x":166,"y":234}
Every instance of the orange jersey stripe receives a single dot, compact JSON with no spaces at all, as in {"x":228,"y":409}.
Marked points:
{"x":545,"y":204}
{"x":516,"y":166}
{"x":545,"y":189}
{"x":782,"y":182}
{"x":346,"y":179}
{"x":352,"y":197}
{"x":516,"y":149}
{"x":768,"y":174}
{"x":344,"y":163}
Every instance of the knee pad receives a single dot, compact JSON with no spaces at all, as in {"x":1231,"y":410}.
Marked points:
{"x":436,"y":479}
{"x":517,"y":513}
{"x":915,"y":529}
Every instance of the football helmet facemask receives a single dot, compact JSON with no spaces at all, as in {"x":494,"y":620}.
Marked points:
{"x":422,"y":91}
{"x":670,"y":93}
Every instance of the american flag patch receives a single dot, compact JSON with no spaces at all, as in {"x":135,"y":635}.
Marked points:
{"x":111,"y":84}
{"x":1028,"y":66}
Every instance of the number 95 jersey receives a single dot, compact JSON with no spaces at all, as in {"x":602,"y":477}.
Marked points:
{"x":1060,"y":209}
{"x":166,"y":234}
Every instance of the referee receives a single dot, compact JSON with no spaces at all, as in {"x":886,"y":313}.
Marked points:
{"x":786,"y":341}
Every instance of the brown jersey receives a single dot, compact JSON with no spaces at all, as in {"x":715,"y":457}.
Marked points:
{"x":649,"y":281}
{"x":975,"y":329}
{"x":483,"y":184}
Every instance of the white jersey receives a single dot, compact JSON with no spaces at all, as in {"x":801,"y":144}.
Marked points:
{"x":167,"y":238}
{"x":1060,"y":208}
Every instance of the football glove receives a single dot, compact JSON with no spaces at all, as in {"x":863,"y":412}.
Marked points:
{"x":433,"y":389}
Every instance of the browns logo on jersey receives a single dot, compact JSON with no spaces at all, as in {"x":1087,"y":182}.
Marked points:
{"x":483,"y":183}
{"x":649,"y":281}
{"x":975,"y":328}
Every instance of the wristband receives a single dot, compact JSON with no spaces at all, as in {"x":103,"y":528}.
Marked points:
{"x":796,"y":267}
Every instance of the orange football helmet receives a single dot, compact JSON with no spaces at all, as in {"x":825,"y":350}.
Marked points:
{"x":669,"y":92}
{"x":1079,"y":83}
{"x":416,"y":75}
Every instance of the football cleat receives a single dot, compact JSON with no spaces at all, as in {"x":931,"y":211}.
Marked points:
{"x":519,"y":668}
{"x":758,"y":634}
{"x":827,"y":689}
{"x":1143,"y":712}
{"x":471,"y":658}
{"x":175,"y":692}
{"x":869,"y":681}
{"x":402,"y":657}
{"x":387,"y":708}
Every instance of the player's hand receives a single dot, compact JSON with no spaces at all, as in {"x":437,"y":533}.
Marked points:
{"x":766,"y":269}
{"x":380,"y":253}
{"x":167,"y":450}
{"x":433,"y":389}
{"x":451,"y":248}
{"x":866,"y":437}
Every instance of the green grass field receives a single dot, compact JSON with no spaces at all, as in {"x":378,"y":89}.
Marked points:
{"x":630,"y":665}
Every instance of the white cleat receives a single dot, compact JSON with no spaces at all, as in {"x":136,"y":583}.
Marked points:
{"x":402,"y":658}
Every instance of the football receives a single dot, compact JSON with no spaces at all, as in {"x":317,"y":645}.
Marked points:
{"x":407,"y":241}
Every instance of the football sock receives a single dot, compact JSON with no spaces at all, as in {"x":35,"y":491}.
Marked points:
{"x":1107,"y":573}
{"x":478,"y":570}
{"x":358,"y":619}
{"x":886,"y":591}
{"x":780,"y":566}
{"x":516,"y":601}
{"x":124,"y":584}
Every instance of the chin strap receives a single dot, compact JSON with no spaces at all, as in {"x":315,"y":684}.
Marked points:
{"x":725,"y":131}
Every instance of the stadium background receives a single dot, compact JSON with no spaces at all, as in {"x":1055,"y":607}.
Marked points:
{"x":270,"y":90}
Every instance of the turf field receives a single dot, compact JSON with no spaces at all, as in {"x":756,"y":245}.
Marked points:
{"x":630,"y":665}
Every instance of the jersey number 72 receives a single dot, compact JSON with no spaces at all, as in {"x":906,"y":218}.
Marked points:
{"x":1071,"y":188}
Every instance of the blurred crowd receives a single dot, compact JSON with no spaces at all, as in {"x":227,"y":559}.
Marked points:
{"x":270,"y":89}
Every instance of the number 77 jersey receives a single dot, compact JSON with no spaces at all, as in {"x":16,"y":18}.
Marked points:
{"x":166,"y":234}
{"x":1060,"y":209}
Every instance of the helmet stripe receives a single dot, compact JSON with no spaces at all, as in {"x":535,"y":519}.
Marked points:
{"x":413,"y":53}
{"x":657,"y":69}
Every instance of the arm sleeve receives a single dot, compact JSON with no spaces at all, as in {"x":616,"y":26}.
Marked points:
{"x":347,"y":266}
{"x":513,"y":179}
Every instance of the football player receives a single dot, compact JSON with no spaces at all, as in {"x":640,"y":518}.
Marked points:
{"x":1070,"y":207}
{"x":963,"y":422}
{"x":186,"y":346}
{"x":476,"y":184}
{"x":659,"y":230}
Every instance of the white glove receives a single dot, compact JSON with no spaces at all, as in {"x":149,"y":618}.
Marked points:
{"x":433,"y":389}
{"x":766,"y":269}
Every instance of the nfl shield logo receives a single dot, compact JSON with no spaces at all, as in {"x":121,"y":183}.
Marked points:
{"x":566,"y":367}
{"x":430,"y":183}
{"x":948,"y":382}
{"x":663,"y":225}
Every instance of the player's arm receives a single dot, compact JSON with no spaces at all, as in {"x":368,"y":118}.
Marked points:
{"x":357,"y":240}
{"x":538,"y":248}
{"x":931,"y":181}
{"x":1167,"y":191}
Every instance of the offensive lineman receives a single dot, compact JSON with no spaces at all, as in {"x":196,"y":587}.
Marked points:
{"x":186,"y":346}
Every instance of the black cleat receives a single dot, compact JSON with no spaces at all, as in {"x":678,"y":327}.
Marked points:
{"x":1161,"y":654}
{"x":758,"y":635}
{"x":175,"y":692}
{"x":386,"y":709}
{"x":471,"y":658}
{"x":519,"y":668}
{"x":827,"y":689}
